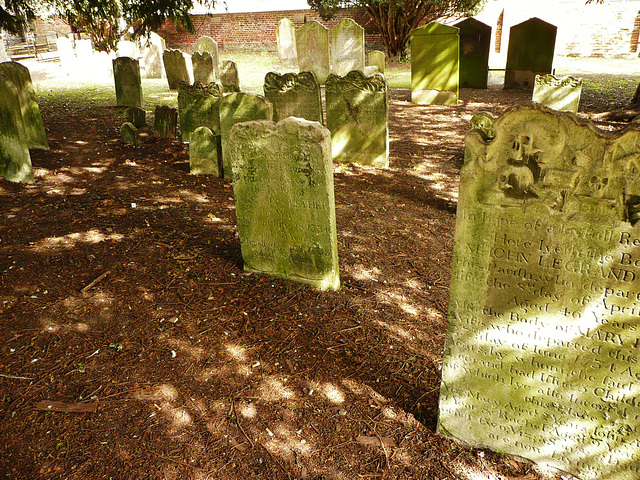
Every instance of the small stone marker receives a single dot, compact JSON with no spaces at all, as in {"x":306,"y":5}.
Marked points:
{"x":347,"y":47}
{"x":208,"y":45}
{"x":153,"y":62}
{"x":126,"y":73}
{"x":205,"y":152}
{"x":129,"y":134}
{"x":530,"y":52}
{"x":137,"y":116}
{"x":377,"y":58}
{"x":15,"y":161}
{"x":203,"y":67}
{"x":229,"y":77}
{"x":286,"y":38}
{"x":165,"y":122}
{"x":540,"y":357}
{"x":475,"y":44}
{"x":175,"y":67}
{"x":294,"y":95}
{"x":312,"y":44}
{"x":283,"y":189}
{"x":198,"y":106}
{"x":358,"y":118}
{"x":562,"y":94}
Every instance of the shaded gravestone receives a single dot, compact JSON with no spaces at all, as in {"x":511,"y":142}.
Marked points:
{"x":434,"y":65}
{"x":358,"y":118}
{"x":209,"y":45}
{"x":165,"y":122}
{"x":153,"y":62}
{"x":203,"y":67}
{"x":129,"y":134}
{"x":236,"y":108}
{"x":561,"y":94}
{"x":286,"y":39}
{"x":294,"y":95}
{"x":175,"y":67}
{"x":15,"y":161}
{"x":540,"y":356}
{"x":126,"y":73}
{"x":475,"y":44}
{"x":377,"y":58}
{"x":347,"y":47}
{"x":198,"y":106}
{"x":127,"y":48}
{"x":35,"y":134}
{"x":530,"y":52}
{"x":312,"y":45}
{"x":137,"y":116}
{"x":229,"y":77}
{"x":205,"y":152}
{"x":283,"y":189}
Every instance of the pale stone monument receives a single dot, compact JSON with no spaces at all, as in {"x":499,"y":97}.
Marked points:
{"x":347,"y":47}
{"x":475,"y":44}
{"x":198,"y":106}
{"x":284,"y":197}
{"x":530,"y":52}
{"x":434,"y":65}
{"x":126,"y":74}
{"x":286,"y":38}
{"x":165,"y":122}
{"x":129,"y":134}
{"x":294,"y":95}
{"x":153,"y":62}
{"x":209,"y":45}
{"x":126,"y":48}
{"x":203,"y":67}
{"x":15,"y":161}
{"x":175,"y":67}
{"x":561,"y":94}
{"x":540,"y":357}
{"x":236,"y":108}
{"x":84,"y":51}
{"x":229,"y":77}
{"x":312,"y":44}
{"x":205,"y":152}
{"x":377,"y":58}
{"x":66,"y":53}
{"x":137,"y":116}
{"x":358,"y":118}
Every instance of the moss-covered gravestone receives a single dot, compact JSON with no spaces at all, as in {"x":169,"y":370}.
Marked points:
{"x":541,"y":351}
{"x":475,"y":43}
{"x":203,"y":67}
{"x":15,"y":161}
{"x":126,"y":73}
{"x":165,"y":122}
{"x":137,"y":116}
{"x":208,"y":45}
{"x":358,"y":118}
{"x":205,"y":152}
{"x":229,"y":77}
{"x":561,"y":94}
{"x":530,"y":52}
{"x":175,"y":67}
{"x":237,"y":108}
{"x":198,"y":106}
{"x":312,"y":44}
{"x":286,"y":38}
{"x":294,"y":95}
{"x":377,"y":59}
{"x":347,"y":47}
{"x":283,"y":189}
{"x":129,"y":134}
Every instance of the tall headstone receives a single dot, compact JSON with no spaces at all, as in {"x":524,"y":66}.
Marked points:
{"x":15,"y":161}
{"x":434,"y":65}
{"x":209,"y":45}
{"x":540,"y":356}
{"x":358,"y":118}
{"x":203,"y":67}
{"x":530,"y":52}
{"x":475,"y":44}
{"x":312,"y":44}
{"x":283,"y":189}
{"x":229,"y":77}
{"x":175,"y":67}
{"x":126,"y":73}
{"x":165,"y":122}
{"x":294,"y":95}
{"x":66,"y":53}
{"x":198,"y":106}
{"x":347,"y":47}
{"x":561,"y":94}
{"x":236,"y":108}
{"x":377,"y":58}
{"x":153,"y":62}
{"x":286,"y":38}
{"x":205,"y":152}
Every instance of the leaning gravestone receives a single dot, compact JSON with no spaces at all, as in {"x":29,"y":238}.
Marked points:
{"x":475,"y":44}
{"x":294,"y":95}
{"x":15,"y":161}
{"x":377,"y":58}
{"x":229,"y":77}
{"x":358,"y":118}
{"x":165,"y":122}
{"x":312,"y":44}
{"x":286,"y":38}
{"x":137,"y":116}
{"x":283,"y":189}
{"x":198,"y":106}
{"x":129,"y":134}
{"x":541,"y":352}
{"x":347,"y":47}
{"x":205,"y":152}
{"x":561,"y":94}
{"x":126,"y":73}
{"x":175,"y":67}
{"x":203,"y":67}
{"x":208,"y":45}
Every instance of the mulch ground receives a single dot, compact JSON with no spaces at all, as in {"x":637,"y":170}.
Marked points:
{"x":134,"y":346}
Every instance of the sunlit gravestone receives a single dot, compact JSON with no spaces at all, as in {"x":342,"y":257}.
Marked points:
{"x":126,"y":74}
{"x":286,"y":39}
{"x":561,"y":94}
{"x":205,"y":153}
{"x":541,"y":351}
{"x":294,"y":95}
{"x":129,"y":134}
{"x":312,"y":44}
{"x":283,"y":189}
{"x":229,"y":77}
{"x":175,"y":67}
{"x":198,"y":106}
{"x":208,"y":45}
{"x":377,"y":58}
{"x":347,"y":47}
{"x":15,"y":161}
{"x":202,"y":67}
{"x":475,"y":44}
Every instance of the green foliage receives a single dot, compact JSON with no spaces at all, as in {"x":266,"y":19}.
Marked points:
{"x":15,"y":15}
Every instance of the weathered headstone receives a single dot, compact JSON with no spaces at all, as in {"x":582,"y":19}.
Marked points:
{"x":475,"y":43}
{"x":561,"y":94}
{"x":540,"y":356}
{"x":358,"y":118}
{"x":312,"y":44}
{"x":347,"y":47}
{"x":205,"y":152}
{"x":203,"y":67}
{"x":236,"y":108}
{"x":165,"y":122}
{"x":286,"y":38}
{"x":434,"y":65}
{"x":294,"y":95}
{"x":530,"y":52}
{"x":153,"y":62}
{"x":229,"y":77}
{"x":198,"y":106}
{"x":283,"y":189}
{"x":126,"y":73}
{"x":209,"y":45}
{"x":15,"y":161}
{"x":377,"y":58}
{"x":129,"y":134}
{"x":175,"y":67}
{"x":137,"y":116}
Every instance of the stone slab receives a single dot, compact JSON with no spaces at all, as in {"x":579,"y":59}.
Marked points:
{"x":561,"y":94}
{"x":199,"y":106}
{"x":205,"y":153}
{"x":347,"y":47}
{"x":229,"y":77}
{"x":377,"y":58}
{"x":175,"y":67}
{"x":129,"y":134}
{"x":15,"y":161}
{"x":530,"y":52}
{"x":210,"y":46}
{"x":137,"y":116}
{"x":312,"y":44}
{"x":128,"y":85}
{"x":286,"y":39}
{"x":294,"y":95}
{"x":165,"y":122}
{"x":203,"y":67}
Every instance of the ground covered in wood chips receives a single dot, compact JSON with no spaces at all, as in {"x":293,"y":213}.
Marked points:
{"x":124,"y":306}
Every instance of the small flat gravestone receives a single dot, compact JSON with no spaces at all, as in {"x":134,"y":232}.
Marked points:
{"x":358,"y":118}
{"x":312,"y":44}
{"x":286,"y":38}
{"x":175,"y":67}
{"x":165,"y":122}
{"x":15,"y":161}
{"x":129,"y":134}
{"x":203,"y":67}
{"x":294,"y":95}
{"x":208,"y":45}
{"x":137,"y":116}
{"x":540,"y":357}
{"x":198,"y":106}
{"x":126,"y":73}
{"x":205,"y":152}
{"x":283,"y":189}
{"x":347,"y":47}
{"x":562,"y":94}
{"x":229,"y":77}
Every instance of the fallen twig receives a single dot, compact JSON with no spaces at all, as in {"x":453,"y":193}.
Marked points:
{"x":95,"y":282}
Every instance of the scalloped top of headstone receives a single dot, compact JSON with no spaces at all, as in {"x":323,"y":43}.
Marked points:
{"x":275,"y":82}
{"x":356,"y":80}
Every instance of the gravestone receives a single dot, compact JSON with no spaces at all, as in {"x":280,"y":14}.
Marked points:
{"x":286,"y":38}
{"x":434,"y":65}
{"x":229,"y":77}
{"x":203,"y":67}
{"x":129,"y":134}
{"x":475,"y":43}
{"x":35,"y":134}
{"x":283,"y":189}
{"x":358,"y":118}
{"x":377,"y":58}
{"x":236,"y":108}
{"x":294,"y":95}
{"x":209,"y":45}
{"x":540,"y":357}
{"x":15,"y":161}
{"x":198,"y":106}
{"x":205,"y":152}
{"x":175,"y":67}
{"x":127,"y":48}
{"x":137,"y":116}
{"x":153,"y":62}
{"x":561,"y":94}
{"x":126,"y":73}
{"x":84,"y":51}
{"x":312,"y":45}
{"x":165,"y":122}
{"x":530,"y":52}
{"x":67,"y":55}
{"x":347,"y":47}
